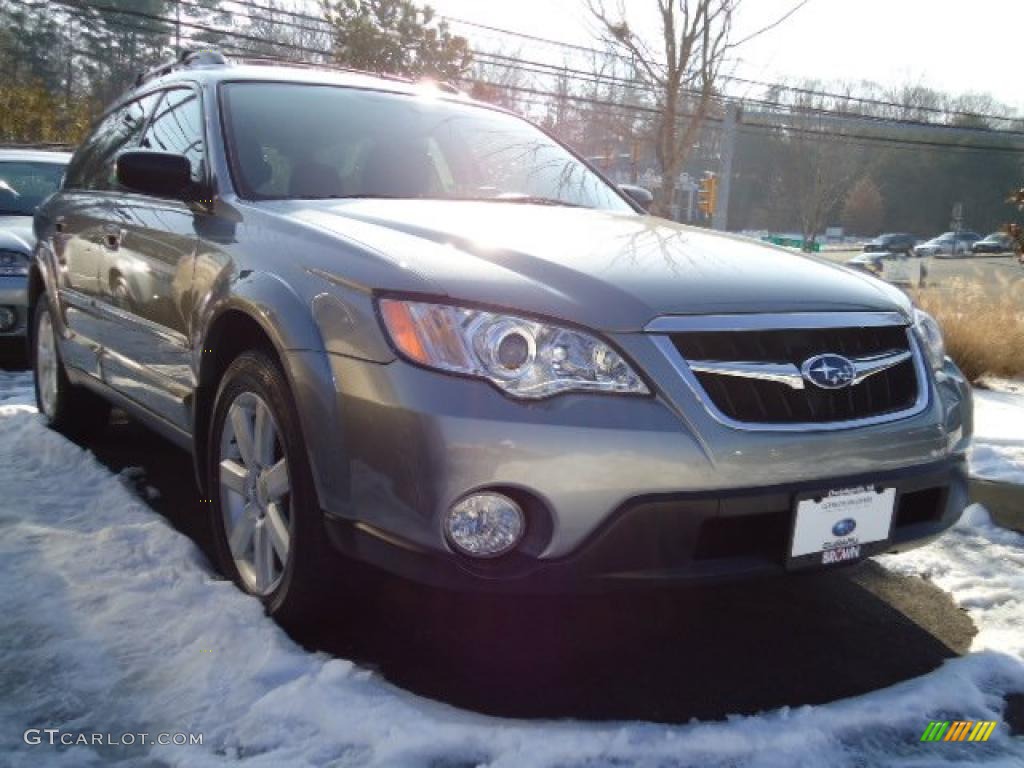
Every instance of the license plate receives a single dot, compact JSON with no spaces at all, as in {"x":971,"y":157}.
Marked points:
{"x":840,"y":525}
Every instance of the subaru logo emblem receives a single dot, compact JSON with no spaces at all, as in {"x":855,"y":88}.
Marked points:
{"x":829,"y":371}
{"x":844,"y":527}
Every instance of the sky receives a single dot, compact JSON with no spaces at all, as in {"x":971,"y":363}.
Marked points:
{"x":950,"y":45}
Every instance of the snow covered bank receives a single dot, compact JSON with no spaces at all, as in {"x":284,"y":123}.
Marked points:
{"x":112,"y":621}
{"x":998,"y":451}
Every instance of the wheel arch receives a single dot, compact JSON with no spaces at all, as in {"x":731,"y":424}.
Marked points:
{"x":36,"y":287}
{"x":241,"y":326}
{"x":230,"y":332}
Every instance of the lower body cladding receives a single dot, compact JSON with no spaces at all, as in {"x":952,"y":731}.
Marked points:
{"x":618,"y":490}
{"x":13,"y":306}
{"x":688,"y":538}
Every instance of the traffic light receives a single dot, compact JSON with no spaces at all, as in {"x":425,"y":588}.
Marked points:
{"x":707,"y":194}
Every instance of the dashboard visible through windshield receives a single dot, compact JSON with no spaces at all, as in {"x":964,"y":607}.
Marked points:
{"x":299,"y":141}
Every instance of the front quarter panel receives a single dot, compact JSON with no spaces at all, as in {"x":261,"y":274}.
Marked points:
{"x":311,"y":295}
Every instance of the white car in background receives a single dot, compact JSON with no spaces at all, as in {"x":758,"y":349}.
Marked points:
{"x":27,"y":177}
{"x":895,"y":268}
{"x":948,"y":244}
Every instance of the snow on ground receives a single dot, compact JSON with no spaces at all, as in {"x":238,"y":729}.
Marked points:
{"x":998,"y":451}
{"x":108,"y":614}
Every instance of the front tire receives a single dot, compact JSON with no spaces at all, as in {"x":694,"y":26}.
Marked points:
{"x":69,"y":409}
{"x":267,"y":525}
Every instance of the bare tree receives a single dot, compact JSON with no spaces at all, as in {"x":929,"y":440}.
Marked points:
{"x":496,"y":82}
{"x":820,"y":170}
{"x":684,"y":69}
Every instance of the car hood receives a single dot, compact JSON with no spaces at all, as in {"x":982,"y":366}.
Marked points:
{"x":16,"y":233}
{"x":607,"y":270}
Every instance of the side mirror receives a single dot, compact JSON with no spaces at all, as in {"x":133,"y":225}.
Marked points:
{"x":161,"y":174}
{"x":638,"y":195}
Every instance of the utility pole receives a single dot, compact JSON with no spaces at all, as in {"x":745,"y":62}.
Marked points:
{"x":177,"y":29}
{"x":730,"y":130}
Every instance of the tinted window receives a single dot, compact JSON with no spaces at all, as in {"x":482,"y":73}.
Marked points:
{"x":177,"y":127}
{"x":306,"y":141}
{"x":93,"y":164}
{"x":24,"y":185}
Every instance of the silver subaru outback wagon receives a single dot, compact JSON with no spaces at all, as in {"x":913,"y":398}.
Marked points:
{"x":396,"y":327}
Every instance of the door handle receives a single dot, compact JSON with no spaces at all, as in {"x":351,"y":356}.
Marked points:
{"x":59,"y":225}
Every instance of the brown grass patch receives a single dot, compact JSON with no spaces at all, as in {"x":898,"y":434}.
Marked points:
{"x":983,"y":325}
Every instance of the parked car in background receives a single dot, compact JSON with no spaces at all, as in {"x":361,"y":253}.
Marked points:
{"x":27,"y":177}
{"x":948,"y":244}
{"x":997,"y":242}
{"x":400,"y":327}
{"x":870,"y":262}
{"x":894,"y":242}
{"x":897,"y":268}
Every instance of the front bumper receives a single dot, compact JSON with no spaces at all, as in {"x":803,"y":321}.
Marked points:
{"x":684,"y":538}
{"x":410,"y":442}
{"x":14,"y":295}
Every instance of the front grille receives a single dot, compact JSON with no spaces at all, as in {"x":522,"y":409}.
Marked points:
{"x":769,"y":402}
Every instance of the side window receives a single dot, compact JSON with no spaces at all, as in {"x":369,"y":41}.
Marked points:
{"x":177,"y":127}
{"x":121,"y":129}
{"x":85,"y":157}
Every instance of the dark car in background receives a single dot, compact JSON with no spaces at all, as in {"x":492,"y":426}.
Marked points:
{"x":997,"y":242}
{"x":27,"y":177}
{"x":894,"y":242}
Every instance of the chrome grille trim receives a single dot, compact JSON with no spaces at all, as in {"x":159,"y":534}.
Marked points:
{"x":774,"y":322}
{"x":791,"y":375}
{"x":661,"y":327}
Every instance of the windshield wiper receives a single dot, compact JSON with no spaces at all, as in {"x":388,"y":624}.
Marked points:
{"x":511,"y":198}
{"x":347,"y":197}
{"x":521,"y":199}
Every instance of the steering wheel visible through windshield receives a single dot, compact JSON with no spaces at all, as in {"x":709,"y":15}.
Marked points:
{"x":24,"y":185}
{"x":302,"y":141}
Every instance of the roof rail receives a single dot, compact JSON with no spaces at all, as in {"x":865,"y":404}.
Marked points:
{"x":206,"y":57}
{"x":198,"y":57}
{"x":275,"y":61}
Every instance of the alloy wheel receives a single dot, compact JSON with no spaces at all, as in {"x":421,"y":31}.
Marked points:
{"x":46,"y":365}
{"x":255,"y":494}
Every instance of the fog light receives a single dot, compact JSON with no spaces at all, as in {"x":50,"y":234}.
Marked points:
{"x":485,"y":525}
{"x":8,"y":318}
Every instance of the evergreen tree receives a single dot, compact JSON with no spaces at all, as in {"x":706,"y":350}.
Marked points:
{"x":395,"y":37}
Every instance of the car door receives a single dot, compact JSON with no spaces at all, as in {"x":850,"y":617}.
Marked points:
{"x":146,"y":273}
{"x":80,"y":228}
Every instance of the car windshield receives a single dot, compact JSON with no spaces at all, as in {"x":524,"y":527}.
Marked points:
{"x":302,"y":141}
{"x":24,"y":185}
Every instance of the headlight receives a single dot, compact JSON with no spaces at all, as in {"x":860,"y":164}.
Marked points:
{"x":930,"y":334}
{"x":13,"y":264}
{"x":523,"y":357}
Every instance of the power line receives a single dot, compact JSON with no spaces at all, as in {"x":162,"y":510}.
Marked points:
{"x":185,"y":24}
{"x":553,"y":70}
{"x":743,"y":80}
{"x":493,"y":56}
{"x":79,"y":10}
{"x":751,"y":128}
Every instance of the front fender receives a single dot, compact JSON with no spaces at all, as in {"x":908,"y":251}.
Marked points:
{"x":287,"y":322}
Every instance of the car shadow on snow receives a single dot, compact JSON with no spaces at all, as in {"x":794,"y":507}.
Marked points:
{"x":666,"y":655}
